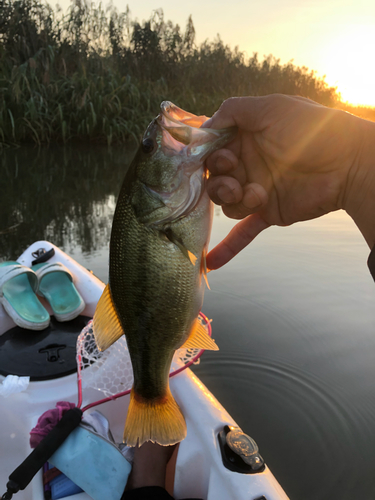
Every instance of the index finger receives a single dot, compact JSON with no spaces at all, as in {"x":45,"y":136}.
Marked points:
{"x":238,"y":238}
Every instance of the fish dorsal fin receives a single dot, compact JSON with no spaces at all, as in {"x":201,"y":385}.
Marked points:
{"x":204,"y":267}
{"x":173,"y":238}
{"x":107,"y":327}
{"x":199,"y":339}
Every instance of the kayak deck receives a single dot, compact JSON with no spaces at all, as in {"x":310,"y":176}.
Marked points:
{"x":199,"y":470}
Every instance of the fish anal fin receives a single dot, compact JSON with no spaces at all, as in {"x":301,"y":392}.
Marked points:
{"x":199,"y":339}
{"x":159,"y":420}
{"x":106,"y":324}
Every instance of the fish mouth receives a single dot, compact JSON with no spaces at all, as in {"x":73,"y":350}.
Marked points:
{"x":182,"y":133}
{"x":181,"y":141}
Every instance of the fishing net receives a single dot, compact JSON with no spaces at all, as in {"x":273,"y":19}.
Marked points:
{"x":111,"y":371}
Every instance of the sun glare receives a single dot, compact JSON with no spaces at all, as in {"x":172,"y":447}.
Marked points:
{"x":350,"y":64}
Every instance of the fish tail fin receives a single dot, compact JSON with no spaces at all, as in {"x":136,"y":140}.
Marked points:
{"x":158,"y":420}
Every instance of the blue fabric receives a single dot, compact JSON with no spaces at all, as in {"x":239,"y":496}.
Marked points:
{"x":93,"y":463}
{"x":62,"y":486}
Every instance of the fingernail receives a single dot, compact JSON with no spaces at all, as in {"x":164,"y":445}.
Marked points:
{"x":207,"y":123}
{"x":222,"y":164}
{"x":225,"y":194}
{"x":251,"y":200}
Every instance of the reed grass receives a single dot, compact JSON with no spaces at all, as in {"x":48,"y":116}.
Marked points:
{"x":90,"y":74}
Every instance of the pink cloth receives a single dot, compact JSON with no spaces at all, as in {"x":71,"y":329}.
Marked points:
{"x":48,"y":421}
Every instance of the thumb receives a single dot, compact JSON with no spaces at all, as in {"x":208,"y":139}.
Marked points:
{"x":247,"y":113}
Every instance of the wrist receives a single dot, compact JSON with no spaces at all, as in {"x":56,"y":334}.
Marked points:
{"x":147,"y":473}
{"x":359,"y":198}
{"x":149,"y":476}
{"x":149,"y":465}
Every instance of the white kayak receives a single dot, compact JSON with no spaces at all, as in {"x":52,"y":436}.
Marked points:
{"x":199,"y":470}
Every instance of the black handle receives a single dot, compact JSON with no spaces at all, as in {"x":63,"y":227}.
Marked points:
{"x":24,"y":473}
{"x":42,"y":255}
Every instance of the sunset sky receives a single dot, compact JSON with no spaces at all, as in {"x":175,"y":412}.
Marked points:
{"x":334,"y":37}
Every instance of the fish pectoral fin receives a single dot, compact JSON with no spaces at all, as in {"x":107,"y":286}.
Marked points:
{"x":159,"y":420}
{"x":106,"y":324}
{"x":173,"y":238}
{"x":199,"y":339}
{"x":191,"y":257}
{"x":204,"y":267}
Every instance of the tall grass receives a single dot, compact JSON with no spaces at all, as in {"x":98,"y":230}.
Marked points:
{"x":91,"y":74}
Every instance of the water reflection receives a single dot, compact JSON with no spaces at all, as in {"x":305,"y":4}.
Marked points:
{"x":66,"y":195}
{"x":294,"y":318}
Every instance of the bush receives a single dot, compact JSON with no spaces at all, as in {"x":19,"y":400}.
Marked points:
{"x":95,"y":75}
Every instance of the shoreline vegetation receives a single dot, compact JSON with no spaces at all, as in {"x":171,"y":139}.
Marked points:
{"x":94,"y":75}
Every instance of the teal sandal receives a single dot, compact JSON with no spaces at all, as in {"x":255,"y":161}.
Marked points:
{"x":17,"y":295}
{"x":57,"y":287}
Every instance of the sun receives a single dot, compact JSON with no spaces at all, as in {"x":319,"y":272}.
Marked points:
{"x":349,"y":60}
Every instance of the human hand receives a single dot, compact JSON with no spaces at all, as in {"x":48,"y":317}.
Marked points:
{"x":292,"y":160}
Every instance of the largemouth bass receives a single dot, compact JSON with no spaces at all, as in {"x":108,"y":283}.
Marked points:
{"x":159,"y":240}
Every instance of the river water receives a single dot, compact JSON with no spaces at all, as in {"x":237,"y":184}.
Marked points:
{"x":293,"y":315}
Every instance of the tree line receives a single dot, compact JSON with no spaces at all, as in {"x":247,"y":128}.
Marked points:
{"x":94,"y":74}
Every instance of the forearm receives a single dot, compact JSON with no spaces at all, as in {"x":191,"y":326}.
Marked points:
{"x":150,"y":465}
{"x":359,"y":198}
{"x":147,"y":472}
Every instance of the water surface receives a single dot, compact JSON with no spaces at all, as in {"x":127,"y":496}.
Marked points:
{"x":293,"y":315}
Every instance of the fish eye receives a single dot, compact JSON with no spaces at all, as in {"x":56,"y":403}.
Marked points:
{"x":147,"y":146}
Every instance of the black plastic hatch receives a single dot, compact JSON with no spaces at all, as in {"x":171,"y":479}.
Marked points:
{"x":41,"y":355}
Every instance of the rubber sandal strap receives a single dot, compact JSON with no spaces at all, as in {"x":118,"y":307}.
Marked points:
{"x":53,"y":267}
{"x":13,"y":270}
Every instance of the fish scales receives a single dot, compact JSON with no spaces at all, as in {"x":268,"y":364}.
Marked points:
{"x":156,"y":291}
{"x":159,"y":240}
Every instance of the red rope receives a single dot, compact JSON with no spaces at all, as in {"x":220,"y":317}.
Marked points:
{"x":120,"y":394}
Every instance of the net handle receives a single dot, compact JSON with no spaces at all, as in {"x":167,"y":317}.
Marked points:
{"x":124,"y":393}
